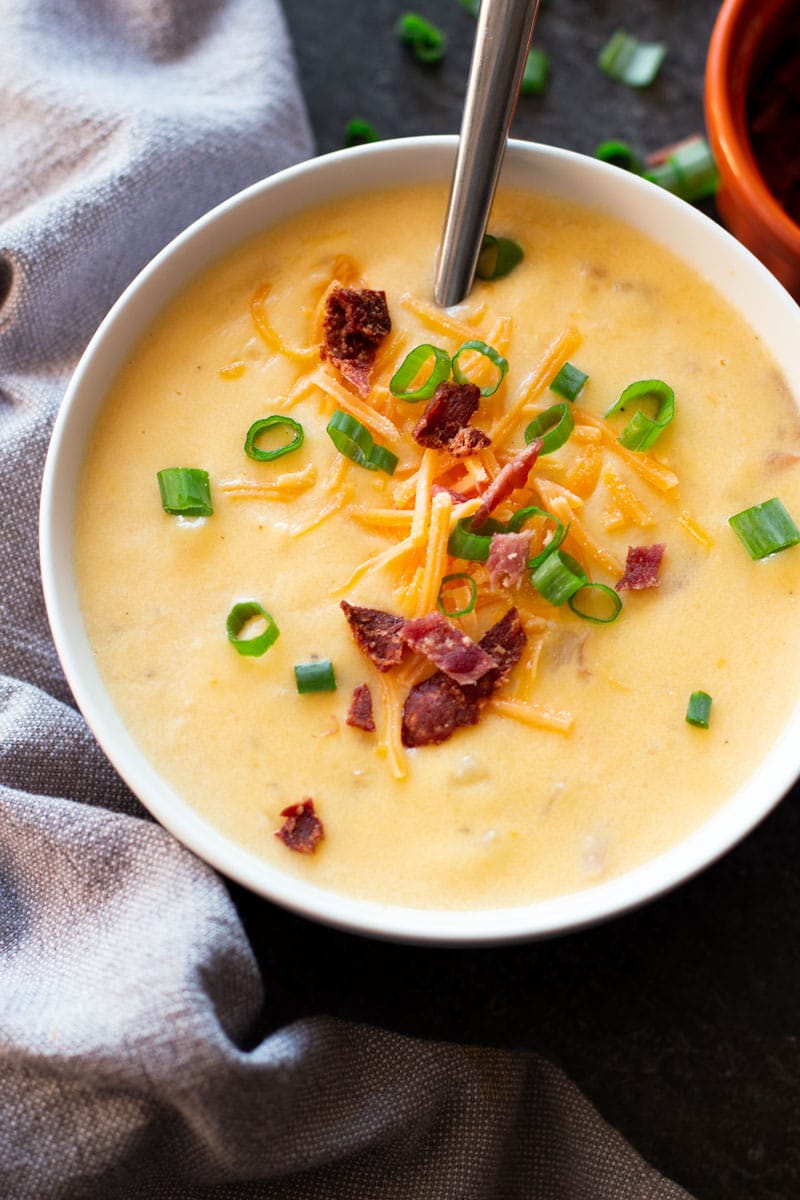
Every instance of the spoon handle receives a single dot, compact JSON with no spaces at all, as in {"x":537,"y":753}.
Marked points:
{"x":501,"y":48}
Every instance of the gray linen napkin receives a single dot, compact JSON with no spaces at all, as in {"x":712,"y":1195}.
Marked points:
{"x":130,"y":1001}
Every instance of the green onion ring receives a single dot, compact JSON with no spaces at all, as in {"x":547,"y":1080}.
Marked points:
{"x":698,"y":710}
{"x":765,"y":528}
{"x":619,"y":154}
{"x":411,"y":366}
{"x":642,"y":431}
{"x":185,"y":492}
{"x":520,"y":519}
{"x":315,"y":676}
{"x":488,"y":352}
{"x":473,"y":595}
{"x":258,"y":427}
{"x":355,"y":441}
{"x":553,"y":426}
{"x":498,"y":257}
{"x":614,"y":597}
{"x":238,"y":617}
{"x":426,"y":40}
{"x":558,"y":577}
{"x":474,"y":547}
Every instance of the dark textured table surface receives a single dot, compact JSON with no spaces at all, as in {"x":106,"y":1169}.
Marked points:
{"x":679,"y":1021}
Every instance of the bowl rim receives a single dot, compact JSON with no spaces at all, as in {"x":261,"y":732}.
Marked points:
{"x":733,"y":36}
{"x":714,"y":837}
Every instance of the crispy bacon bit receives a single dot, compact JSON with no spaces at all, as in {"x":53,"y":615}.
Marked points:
{"x":355,"y":321}
{"x":642,"y":567}
{"x":445,"y":423}
{"x":447,"y":648}
{"x":378,"y":634}
{"x":512,"y":476}
{"x":302,"y":829}
{"x":434,"y":709}
{"x":508,"y":558}
{"x":359,"y":714}
{"x":456,"y":497}
{"x":438,"y":706}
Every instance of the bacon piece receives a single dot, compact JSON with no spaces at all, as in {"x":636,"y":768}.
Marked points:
{"x":512,"y":476}
{"x":505,"y":641}
{"x":508,"y":558}
{"x":447,"y":648}
{"x":435,"y":708}
{"x":302,"y":829}
{"x":359,"y":714}
{"x":355,"y":321}
{"x":456,"y":497}
{"x":642,"y":567}
{"x":445,"y":423}
{"x":378,"y":634}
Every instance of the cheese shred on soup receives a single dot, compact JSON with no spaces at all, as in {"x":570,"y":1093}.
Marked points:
{"x":580,"y":763}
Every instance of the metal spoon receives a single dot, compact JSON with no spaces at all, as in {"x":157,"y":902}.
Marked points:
{"x":502,"y":40}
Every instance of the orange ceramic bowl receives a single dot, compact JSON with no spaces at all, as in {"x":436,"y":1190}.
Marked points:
{"x":746,"y":35}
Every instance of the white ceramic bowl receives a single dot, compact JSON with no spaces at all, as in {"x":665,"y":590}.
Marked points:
{"x":686,"y":232}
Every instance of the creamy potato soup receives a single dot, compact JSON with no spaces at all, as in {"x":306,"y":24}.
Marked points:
{"x":575,"y":763}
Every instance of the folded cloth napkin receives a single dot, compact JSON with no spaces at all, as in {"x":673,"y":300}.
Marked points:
{"x":131,"y":1062}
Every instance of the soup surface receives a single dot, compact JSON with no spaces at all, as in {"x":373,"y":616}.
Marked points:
{"x":582,"y":764}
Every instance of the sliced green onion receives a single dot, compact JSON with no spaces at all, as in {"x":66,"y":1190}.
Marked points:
{"x":558,"y":577}
{"x":239,"y":618}
{"x":765,"y":528}
{"x":627,"y":60}
{"x":603,"y":590}
{"x":426,"y":40}
{"x":536,"y":73}
{"x":698,"y":711}
{"x":619,"y":154}
{"x":641,"y":431}
{"x":521,"y":518}
{"x":315,"y":676}
{"x":553,"y":426}
{"x":688,"y":170}
{"x":461,"y":578}
{"x":277,"y":421}
{"x":464,"y":543}
{"x":355,"y":441}
{"x":569,"y":382}
{"x":498,"y":257}
{"x":359,"y":132}
{"x":185,"y":492}
{"x":488,"y":352}
{"x":411,"y":366}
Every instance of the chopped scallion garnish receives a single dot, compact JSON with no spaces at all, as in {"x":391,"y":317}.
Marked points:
{"x":553,"y":426}
{"x":520,"y":520}
{"x":258,"y":428}
{"x":452,"y":584}
{"x":558,"y":577}
{"x":426,"y":40}
{"x":619,"y":154}
{"x":240,"y":618}
{"x":359,"y":133}
{"x":569,"y":382}
{"x":185,"y":492}
{"x":498,"y":257}
{"x":315,"y":676}
{"x":536,"y":74}
{"x":627,"y":60}
{"x":641,"y":431}
{"x":698,"y":711}
{"x":686,"y":169}
{"x":765,"y":528}
{"x":487,"y":351}
{"x":598,"y":589}
{"x":355,"y":441}
{"x":464,"y":543}
{"x":411,"y":366}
